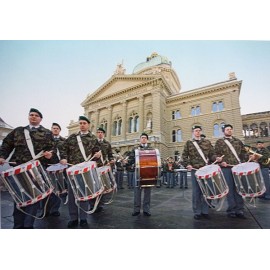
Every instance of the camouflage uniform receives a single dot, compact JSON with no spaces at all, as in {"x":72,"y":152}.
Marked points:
{"x":265,"y":170}
{"x":235,"y":201}
{"x":137,"y":189}
{"x":106,"y":150}
{"x":192,"y":157}
{"x":54,"y":202}
{"x":42,"y":140}
{"x":107,"y":155}
{"x":74,"y":156}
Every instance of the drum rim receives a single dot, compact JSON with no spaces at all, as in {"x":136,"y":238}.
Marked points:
{"x":21,"y":168}
{"x":254,"y":170}
{"x":209,"y":174}
{"x":78,"y":169}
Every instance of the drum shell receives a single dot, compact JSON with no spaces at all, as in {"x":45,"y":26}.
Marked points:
{"x":27,"y":183}
{"x":107,"y":178}
{"x":148,"y":167}
{"x":212,"y":182}
{"x":85,"y":181}
{"x":248,"y":179}
{"x":58,"y":177}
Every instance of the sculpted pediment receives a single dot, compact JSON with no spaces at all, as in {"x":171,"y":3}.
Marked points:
{"x":117,"y":84}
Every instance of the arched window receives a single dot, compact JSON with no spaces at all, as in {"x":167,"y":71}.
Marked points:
{"x":195,"y":111}
{"x":177,"y":135}
{"x":117,"y":126}
{"x":134,"y":123}
{"x":217,"y":130}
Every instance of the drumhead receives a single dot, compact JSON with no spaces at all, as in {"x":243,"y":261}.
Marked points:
{"x":82,"y":167}
{"x":208,"y":171}
{"x":21,"y":168}
{"x":246,"y":168}
{"x":56,"y":167}
{"x":104,"y":169}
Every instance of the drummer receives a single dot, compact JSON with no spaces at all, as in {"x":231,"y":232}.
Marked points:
{"x":144,"y":145}
{"x":198,"y":153}
{"x":234,"y":153}
{"x":106,"y":159}
{"x":264,"y":165}
{"x":41,"y":139}
{"x":77,"y":149}
{"x":54,"y":203}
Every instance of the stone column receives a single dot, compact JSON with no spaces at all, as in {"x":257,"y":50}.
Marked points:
{"x":97,"y":118}
{"x":109,"y":123}
{"x":124,"y":120}
{"x":141,"y":114}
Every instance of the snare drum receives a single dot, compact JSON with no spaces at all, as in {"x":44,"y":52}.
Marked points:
{"x":107,"y":179}
{"x":148,"y":167}
{"x":248,"y":179}
{"x":85,"y":181}
{"x":27,"y":183}
{"x":212,"y":182}
{"x":58,"y":177}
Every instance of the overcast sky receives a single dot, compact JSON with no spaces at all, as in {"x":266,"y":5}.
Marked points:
{"x":56,"y":76}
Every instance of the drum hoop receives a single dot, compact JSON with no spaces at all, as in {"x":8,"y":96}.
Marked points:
{"x":209,"y":174}
{"x":71,"y":171}
{"x":21,"y":168}
{"x":256,"y":170}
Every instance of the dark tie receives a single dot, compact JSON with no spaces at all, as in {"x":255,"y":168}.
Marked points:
{"x":33,"y":129}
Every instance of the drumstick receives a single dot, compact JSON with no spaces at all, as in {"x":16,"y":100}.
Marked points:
{"x":94,"y":156}
{"x":10,"y":162}
{"x":216,"y":160}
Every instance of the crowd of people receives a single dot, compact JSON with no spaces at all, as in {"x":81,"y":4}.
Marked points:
{"x":32,"y":142}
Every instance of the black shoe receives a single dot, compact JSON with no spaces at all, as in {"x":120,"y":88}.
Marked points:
{"x":55,"y":214}
{"x":197,"y":217}
{"x":241,"y":216}
{"x":186,"y":187}
{"x":83,"y":223}
{"x":181,"y":187}
{"x":206,"y":216}
{"x":135,"y":214}
{"x":147,"y":214}
{"x":72,"y":224}
{"x":232,"y":215}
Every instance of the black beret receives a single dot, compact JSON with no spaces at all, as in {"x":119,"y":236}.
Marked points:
{"x":83,"y":118}
{"x":144,"y":134}
{"x":194,"y":127}
{"x":227,"y":125}
{"x":36,"y":111}
{"x":55,"y":124}
{"x":260,"y":142}
{"x":101,"y":129}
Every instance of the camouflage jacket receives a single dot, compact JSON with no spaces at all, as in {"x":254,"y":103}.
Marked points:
{"x":221,"y":148}
{"x":191,"y":156}
{"x":58,"y":144}
{"x":71,"y":149}
{"x":41,"y":138}
{"x":106,"y":150}
{"x":265,"y":156}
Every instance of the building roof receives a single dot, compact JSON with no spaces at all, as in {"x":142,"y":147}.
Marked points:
{"x":3,"y":124}
{"x":151,"y":61}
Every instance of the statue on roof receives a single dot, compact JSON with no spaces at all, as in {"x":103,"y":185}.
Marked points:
{"x":120,"y":70}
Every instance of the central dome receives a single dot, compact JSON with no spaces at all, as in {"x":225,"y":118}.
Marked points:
{"x":151,"y":61}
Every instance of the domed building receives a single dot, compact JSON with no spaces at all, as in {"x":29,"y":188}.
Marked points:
{"x":150,"y":100}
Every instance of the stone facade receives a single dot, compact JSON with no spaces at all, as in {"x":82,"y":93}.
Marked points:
{"x":150,"y":100}
{"x":256,"y":126}
{"x":4,"y":129}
